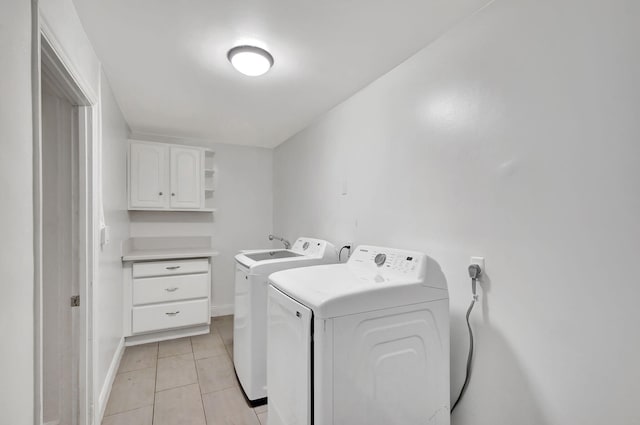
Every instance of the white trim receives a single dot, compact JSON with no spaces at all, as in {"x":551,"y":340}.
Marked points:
{"x":108,"y":382}
{"x":221,"y":310}
{"x":86,"y":138}
{"x":167,"y":335}
{"x":59,"y":70}
{"x":36,"y":97}
{"x":85,"y":88}
{"x":93,"y":232}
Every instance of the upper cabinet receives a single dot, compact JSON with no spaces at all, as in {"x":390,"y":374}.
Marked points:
{"x":148,"y":175}
{"x":169,"y":177}
{"x":186,"y":177}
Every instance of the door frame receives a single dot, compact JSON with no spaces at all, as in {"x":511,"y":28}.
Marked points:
{"x":48,"y":57}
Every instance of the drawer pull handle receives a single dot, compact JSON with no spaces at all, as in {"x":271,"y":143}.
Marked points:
{"x":172,"y":313}
{"x":174,"y":289}
{"x":172,"y":267}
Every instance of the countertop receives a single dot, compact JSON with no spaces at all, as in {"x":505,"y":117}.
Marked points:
{"x":145,"y":249}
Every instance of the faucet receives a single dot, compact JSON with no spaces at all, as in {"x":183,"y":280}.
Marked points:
{"x":286,"y":243}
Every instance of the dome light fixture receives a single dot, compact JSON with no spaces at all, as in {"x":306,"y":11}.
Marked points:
{"x":250,"y":60}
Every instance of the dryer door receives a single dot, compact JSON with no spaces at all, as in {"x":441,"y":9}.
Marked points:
{"x":391,"y":367}
{"x":288,"y":360}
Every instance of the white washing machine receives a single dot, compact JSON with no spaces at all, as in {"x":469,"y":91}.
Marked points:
{"x":250,"y":315}
{"x":361,"y":343}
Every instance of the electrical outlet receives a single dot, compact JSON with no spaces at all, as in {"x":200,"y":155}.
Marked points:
{"x":346,"y":253}
{"x":479,"y":261}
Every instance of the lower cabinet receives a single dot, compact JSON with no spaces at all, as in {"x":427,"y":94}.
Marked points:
{"x":164,"y":316}
{"x":170,"y":288}
{"x":166,"y":299}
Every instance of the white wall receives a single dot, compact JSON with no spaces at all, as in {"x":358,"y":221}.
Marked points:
{"x":108,"y":289}
{"x":244,"y":216}
{"x":16,"y":215}
{"x":515,"y":137}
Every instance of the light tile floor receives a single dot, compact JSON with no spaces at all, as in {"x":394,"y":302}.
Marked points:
{"x":186,"y":381}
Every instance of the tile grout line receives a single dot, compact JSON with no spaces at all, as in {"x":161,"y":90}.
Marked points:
{"x":214,"y":391}
{"x":176,"y":387}
{"x":195,"y":365}
{"x":127,"y":411}
{"x":177,"y":354}
{"x":153,"y":410}
{"x":204,"y":412}
{"x":182,"y":385}
{"x":225,"y":353}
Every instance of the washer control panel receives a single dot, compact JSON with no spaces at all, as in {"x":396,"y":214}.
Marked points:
{"x":311,"y":247}
{"x":389,"y":262}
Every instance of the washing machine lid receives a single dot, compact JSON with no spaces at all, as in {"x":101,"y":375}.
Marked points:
{"x":304,"y":252}
{"x":374,"y":278}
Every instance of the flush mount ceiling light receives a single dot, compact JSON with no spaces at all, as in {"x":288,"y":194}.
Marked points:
{"x":250,"y":60}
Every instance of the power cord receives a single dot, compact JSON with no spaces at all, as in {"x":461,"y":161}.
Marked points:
{"x":340,"y":252}
{"x":474,"y":273}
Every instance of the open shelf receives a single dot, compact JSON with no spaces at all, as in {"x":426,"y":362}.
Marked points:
{"x":208,"y":161}
{"x":209,"y":179}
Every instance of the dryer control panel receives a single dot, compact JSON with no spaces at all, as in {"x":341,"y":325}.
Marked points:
{"x":389,"y":262}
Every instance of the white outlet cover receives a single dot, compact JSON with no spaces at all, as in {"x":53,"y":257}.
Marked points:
{"x":479,"y":261}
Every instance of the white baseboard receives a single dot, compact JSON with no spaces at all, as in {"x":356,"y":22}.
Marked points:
{"x":221,"y":310}
{"x":167,"y":335}
{"x":108,"y":381}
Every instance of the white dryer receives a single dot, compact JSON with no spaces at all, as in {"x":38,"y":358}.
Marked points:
{"x":361,"y":343}
{"x":250,"y":315}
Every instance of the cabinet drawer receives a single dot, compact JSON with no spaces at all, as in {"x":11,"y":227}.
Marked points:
{"x":150,"y":290}
{"x":170,"y":315}
{"x":168,"y":268}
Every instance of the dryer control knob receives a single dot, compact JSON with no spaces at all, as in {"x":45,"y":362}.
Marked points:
{"x":380,"y":259}
{"x":305,"y":245}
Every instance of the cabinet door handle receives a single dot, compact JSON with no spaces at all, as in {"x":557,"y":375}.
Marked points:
{"x":160,"y":193}
{"x":173,"y":313}
{"x":173,"y":194}
{"x":172,"y":267}
{"x":174,"y":289}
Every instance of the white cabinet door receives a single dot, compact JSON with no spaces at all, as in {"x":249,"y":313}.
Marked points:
{"x":186,"y":178}
{"x":148,"y":175}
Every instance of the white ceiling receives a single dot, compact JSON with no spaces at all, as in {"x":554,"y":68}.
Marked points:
{"x":166,"y":59}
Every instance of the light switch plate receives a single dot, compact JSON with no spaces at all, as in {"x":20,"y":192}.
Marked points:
{"x":104,"y":235}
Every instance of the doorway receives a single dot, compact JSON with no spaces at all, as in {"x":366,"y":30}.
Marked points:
{"x":60,"y":257}
{"x":64,"y":245}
